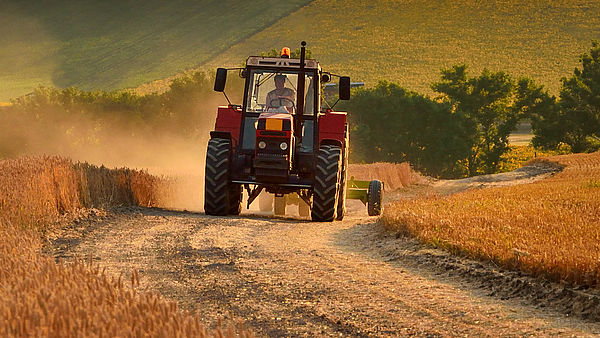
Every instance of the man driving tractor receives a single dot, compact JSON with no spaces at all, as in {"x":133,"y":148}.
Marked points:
{"x":281,"y":96}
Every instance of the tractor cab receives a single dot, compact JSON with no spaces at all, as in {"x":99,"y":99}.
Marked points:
{"x":272,"y":98}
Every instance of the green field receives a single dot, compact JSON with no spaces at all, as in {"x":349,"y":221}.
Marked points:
{"x":410,"y":41}
{"x":118,"y":44}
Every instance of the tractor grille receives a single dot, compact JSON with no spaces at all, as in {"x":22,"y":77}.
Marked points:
{"x":269,"y":155}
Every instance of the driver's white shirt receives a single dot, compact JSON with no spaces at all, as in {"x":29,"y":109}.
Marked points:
{"x":274,"y":95}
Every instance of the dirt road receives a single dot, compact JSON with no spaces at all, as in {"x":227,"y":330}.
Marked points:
{"x":289,"y":276}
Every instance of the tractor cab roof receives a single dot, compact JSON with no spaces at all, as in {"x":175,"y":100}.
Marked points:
{"x":257,"y":61}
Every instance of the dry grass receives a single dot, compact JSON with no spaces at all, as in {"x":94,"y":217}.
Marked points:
{"x":35,"y":191}
{"x":42,"y":298}
{"x":394,"y":175}
{"x":549,"y":228}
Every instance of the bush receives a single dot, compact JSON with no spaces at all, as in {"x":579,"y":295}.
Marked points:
{"x":391,"y":124}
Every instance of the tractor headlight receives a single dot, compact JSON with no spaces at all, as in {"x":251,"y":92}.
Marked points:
{"x":262,"y":144}
{"x":283,"y":146}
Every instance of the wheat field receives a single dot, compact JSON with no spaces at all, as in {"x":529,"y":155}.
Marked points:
{"x":40,"y":297}
{"x":549,"y":228}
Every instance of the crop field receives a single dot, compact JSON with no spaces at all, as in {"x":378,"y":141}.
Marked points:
{"x":35,"y":191}
{"x":409,"y":42}
{"x":119,"y":44}
{"x":548,"y":228}
{"x":42,"y":298}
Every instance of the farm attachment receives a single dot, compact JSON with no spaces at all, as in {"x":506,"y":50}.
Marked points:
{"x":368,"y":192}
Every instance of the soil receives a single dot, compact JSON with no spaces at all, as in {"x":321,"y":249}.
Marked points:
{"x":288,"y":276}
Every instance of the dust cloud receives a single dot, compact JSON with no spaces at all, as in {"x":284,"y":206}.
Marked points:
{"x":177,"y":158}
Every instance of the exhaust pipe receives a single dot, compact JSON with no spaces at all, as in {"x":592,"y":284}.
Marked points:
{"x":300,"y":96}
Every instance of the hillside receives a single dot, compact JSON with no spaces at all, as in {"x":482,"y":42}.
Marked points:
{"x":410,"y":41}
{"x":120,"y":44}
{"x":117,"y":44}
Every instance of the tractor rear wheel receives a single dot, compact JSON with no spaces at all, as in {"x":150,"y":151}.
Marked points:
{"x":326,"y":185}
{"x":216,"y":178}
{"x":235,"y":199}
{"x":280,"y":204}
{"x":375,"y":198}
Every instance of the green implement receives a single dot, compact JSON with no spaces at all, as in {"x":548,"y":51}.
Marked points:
{"x":368,"y":192}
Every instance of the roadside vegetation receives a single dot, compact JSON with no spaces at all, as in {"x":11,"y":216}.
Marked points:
{"x":518,"y":155}
{"x":548,"y":228}
{"x":41,"y":297}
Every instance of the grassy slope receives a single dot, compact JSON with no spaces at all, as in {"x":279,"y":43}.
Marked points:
{"x":117,"y":44}
{"x":410,"y":41}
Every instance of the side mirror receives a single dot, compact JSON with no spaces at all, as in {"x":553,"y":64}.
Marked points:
{"x":220,"y":79}
{"x":344,"y":88}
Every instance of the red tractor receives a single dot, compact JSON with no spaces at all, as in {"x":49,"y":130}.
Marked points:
{"x":280,"y":139}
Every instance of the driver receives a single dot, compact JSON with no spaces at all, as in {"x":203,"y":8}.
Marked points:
{"x":281,"y":96}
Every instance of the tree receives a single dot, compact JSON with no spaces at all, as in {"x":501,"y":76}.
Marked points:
{"x":544,"y":112}
{"x":580,"y":104}
{"x":389,"y":123}
{"x":486,"y":102}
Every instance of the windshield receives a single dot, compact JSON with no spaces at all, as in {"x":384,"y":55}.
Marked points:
{"x":275,"y":91}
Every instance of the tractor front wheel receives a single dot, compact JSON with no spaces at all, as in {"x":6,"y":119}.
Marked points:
{"x":327,"y":183}
{"x":216,"y":178}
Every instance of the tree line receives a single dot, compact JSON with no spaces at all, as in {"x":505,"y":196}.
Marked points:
{"x":464,"y":130}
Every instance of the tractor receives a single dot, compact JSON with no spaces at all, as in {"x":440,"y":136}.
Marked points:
{"x":280,"y":140}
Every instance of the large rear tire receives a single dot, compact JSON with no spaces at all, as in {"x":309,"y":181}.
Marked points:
{"x":216,"y":178}
{"x":279,"y":205}
{"x":375,"y":198}
{"x":326,"y":185}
